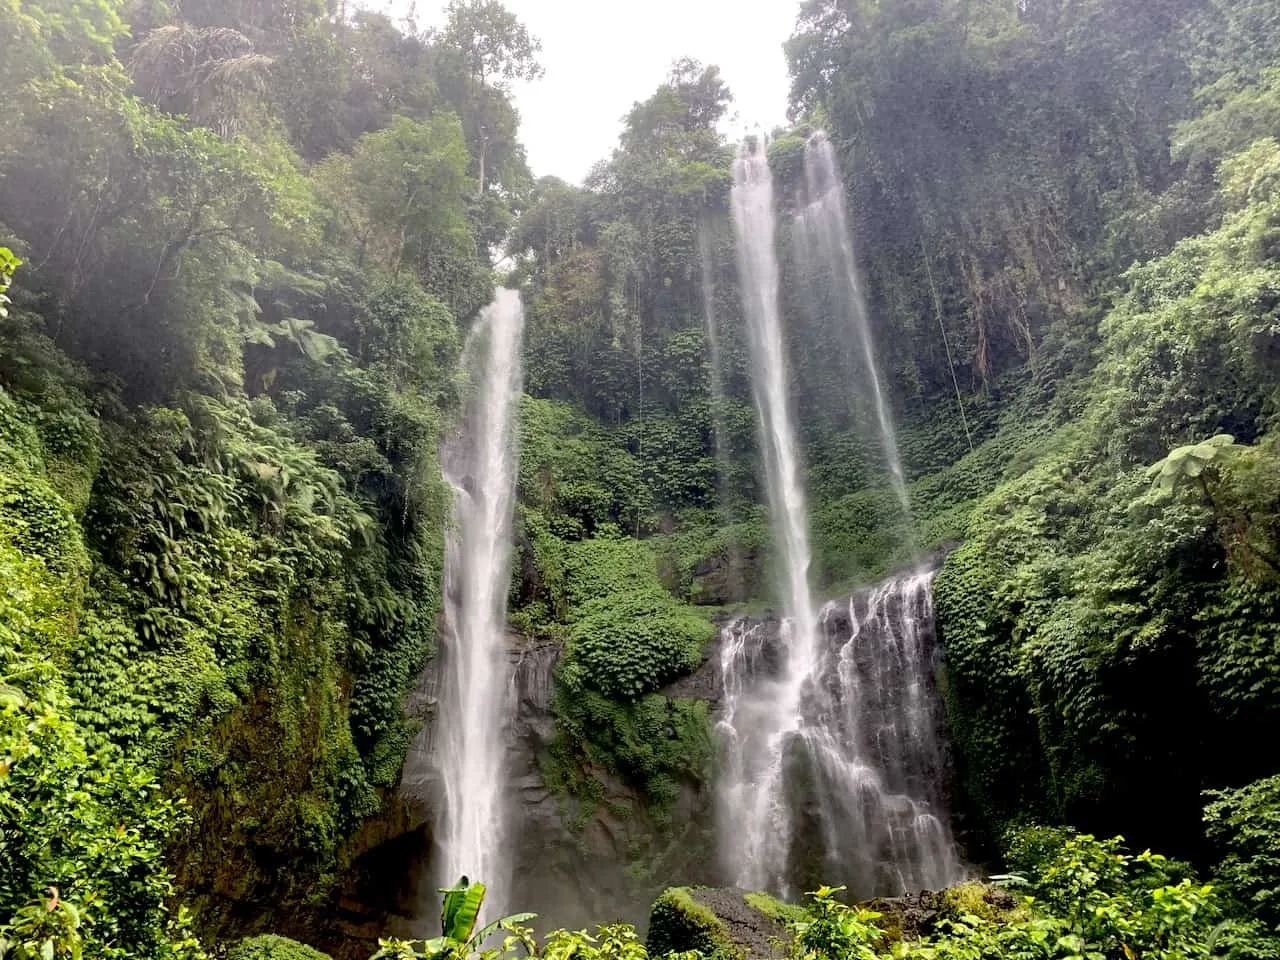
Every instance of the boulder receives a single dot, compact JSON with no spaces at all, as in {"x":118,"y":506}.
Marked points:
{"x":717,"y":922}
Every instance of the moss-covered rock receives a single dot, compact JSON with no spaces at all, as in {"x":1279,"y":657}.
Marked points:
{"x":916,"y":915}
{"x":773,"y":908}
{"x":720,"y":922}
{"x":983,"y":900}
{"x":678,"y":922}
{"x":272,"y":947}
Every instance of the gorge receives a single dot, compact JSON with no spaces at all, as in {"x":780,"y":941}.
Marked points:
{"x":823,"y":541}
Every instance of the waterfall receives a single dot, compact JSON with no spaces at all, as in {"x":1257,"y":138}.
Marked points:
{"x":753,"y":809}
{"x":476,"y":689}
{"x":867,"y":769}
{"x":823,"y":227}
{"x":885,"y":767}
{"x":833,"y":758}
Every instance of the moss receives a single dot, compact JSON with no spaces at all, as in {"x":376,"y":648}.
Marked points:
{"x":982,"y":900}
{"x":678,"y":923}
{"x":272,"y":947}
{"x":653,"y":744}
{"x":775,"y":909}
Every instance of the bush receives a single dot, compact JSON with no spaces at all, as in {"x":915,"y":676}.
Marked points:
{"x":1088,"y":898}
{"x":1245,"y":826}
{"x":627,"y":646}
{"x":272,"y":947}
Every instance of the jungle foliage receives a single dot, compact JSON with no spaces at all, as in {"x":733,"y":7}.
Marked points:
{"x":1075,"y":897}
{"x":239,"y":247}
{"x":242,"y":240}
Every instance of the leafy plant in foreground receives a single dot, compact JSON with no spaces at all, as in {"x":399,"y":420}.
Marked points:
{"x":832,"y":930}
{"x":1245,"y":825}
{"x":458,"y":935}
{"x":460,"y":939}
{"x":8,"y":264}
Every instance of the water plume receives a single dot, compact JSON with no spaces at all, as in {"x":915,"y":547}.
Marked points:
{"x":476,"y":694}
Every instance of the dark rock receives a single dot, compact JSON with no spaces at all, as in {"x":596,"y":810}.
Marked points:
{"x":908,"y":917}
{"x":731,"y":575}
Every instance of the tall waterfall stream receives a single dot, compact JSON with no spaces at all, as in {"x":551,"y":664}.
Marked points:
{"x":476,"y":693}
{"x":757,"y":734}
{"x":824,"y":230}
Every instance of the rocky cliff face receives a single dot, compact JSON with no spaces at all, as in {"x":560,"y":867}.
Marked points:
{"x":583,"y":862}
{"x":574,"y":862}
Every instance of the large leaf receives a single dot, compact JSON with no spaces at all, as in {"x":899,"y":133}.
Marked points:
{"x":461,"y":908}
{"x":1190,"y":461}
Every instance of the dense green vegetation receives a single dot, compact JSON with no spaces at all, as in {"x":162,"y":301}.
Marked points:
{"x":1074,"y":897}
{"x":240,"y":245}
{"x":249,"y":233}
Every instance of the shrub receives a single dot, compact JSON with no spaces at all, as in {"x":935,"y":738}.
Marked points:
{"x":633,"y":644}
{"x":1245,"y":825}
{"x":832,"y":930}
{"x":272,"y":947}
{"x":1088,"y":898}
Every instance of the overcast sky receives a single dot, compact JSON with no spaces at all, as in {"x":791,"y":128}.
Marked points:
{"x":601,"y":56}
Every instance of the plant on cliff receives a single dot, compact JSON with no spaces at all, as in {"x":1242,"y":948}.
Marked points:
{"x":82,"y":831}
{"x":633,"y":644}
{"x":1103,"y":617}
{"x":628,"y":637}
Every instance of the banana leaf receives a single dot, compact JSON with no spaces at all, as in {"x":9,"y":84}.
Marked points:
{"x":461,"y":908}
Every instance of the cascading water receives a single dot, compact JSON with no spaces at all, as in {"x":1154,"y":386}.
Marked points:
{"x":758,"y":733}
{"x":476,"y":693}
{"x":868,"y":766}
{"x":833,"y":756}
{"x":824,"y":229}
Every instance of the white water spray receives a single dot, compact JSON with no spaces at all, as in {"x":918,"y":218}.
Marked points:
{"x":476,"y":692}
{"x":824,"y":226}
{"x":867,"y":763}
{"x":833,"y":756}
{"x":758,"y":735}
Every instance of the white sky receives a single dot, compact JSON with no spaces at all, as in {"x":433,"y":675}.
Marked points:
{"x":601,"y":56}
